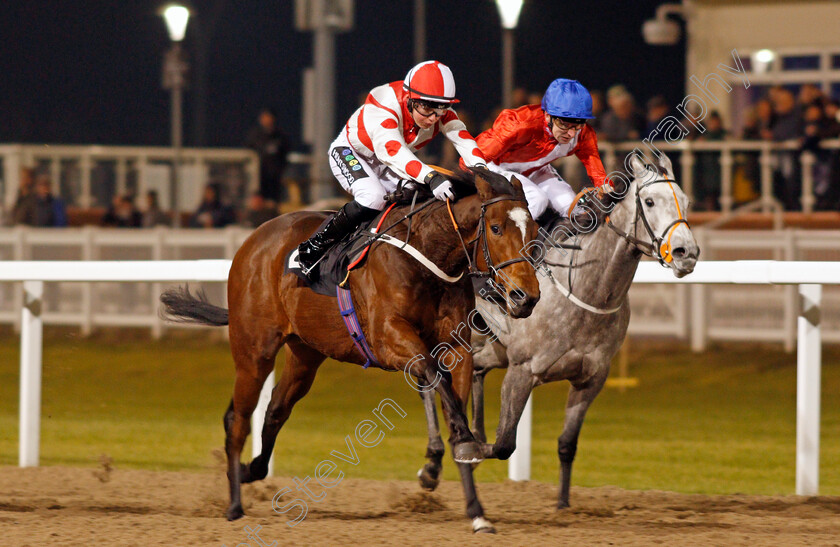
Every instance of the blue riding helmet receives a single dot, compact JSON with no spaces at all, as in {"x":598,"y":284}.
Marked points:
{"x":568,"y":99}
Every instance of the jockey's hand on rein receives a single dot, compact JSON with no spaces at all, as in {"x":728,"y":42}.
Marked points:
{"x":441,"y":188}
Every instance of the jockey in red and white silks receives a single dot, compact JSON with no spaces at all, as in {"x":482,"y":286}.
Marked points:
{"x":524,"y":142}
{"x":375,"y":150}
{"x":386,"y":131}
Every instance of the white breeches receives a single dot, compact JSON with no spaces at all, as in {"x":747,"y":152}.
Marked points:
{"x":367,"y":181}
{"x":553,"y":191}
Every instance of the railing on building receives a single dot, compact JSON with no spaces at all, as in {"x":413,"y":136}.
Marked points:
{"x":764,"y":154}
{"x":90,"y":175}
{"x":87,"y":176}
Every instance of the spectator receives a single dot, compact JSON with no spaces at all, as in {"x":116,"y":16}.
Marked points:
{"x":153,"y":215}
{"x":598,"y":106}
{"x":787,"y":126}
{"x":765,"y":118}
{"x":831,"y":130}
{"x":25,"y":191}
{"x":810,"y":94}
{"x":519,"y":97}
{"x":257,"y":212}
{"x":122,"y":213}
{"x":657,"y":109}
{"x":272,"y":145}
{"x":707,"y":167}
{"x":212,"y":212}
{"x":621,"y":122}
{"x":41,"y":208}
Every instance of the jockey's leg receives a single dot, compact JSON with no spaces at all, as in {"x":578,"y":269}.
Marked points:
{"x":343,"y":222}
{"x":538,"y":200}
{"x":357,"y":177}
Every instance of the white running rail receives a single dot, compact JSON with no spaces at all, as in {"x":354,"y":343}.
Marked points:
{"x":809,"y":276}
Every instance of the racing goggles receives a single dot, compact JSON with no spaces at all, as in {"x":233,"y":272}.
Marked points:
{"x":567,"y":124}
{"x":428,"y":108}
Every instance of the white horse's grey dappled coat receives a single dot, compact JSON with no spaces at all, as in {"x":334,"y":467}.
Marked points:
{"x":563,"y":341}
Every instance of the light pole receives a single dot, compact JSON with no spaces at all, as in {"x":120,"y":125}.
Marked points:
{"x":509,"y":15}
{"x":174,"y":79}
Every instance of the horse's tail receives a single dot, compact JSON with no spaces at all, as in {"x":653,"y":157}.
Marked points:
{"x":180,"y":306}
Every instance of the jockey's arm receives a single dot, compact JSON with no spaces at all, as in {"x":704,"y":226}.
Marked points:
{"x":455,"y":130}
{"x":385,"y":133}
{"x":587,"y":152}
{"x":497,"y":140}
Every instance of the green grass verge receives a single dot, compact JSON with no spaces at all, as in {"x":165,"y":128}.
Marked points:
{"x":718,"y":422}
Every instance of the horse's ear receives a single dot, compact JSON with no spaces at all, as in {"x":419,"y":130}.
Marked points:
{"x":517,"y":187}
{"x":638,"y":167}
{"x":485,"y":191}
{"x":665,"y":163}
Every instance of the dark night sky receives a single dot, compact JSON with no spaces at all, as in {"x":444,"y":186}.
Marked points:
{"x":89,"y":71}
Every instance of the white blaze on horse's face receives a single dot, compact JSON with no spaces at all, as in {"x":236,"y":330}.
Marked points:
{"x":520,"y":217}
{"x":664,"y":205}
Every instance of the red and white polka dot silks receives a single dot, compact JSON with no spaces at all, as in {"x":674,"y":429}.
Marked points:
{"x":382,"y":130}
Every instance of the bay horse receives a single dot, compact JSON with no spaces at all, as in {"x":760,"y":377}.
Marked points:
{"x":404,"y":308}
{"x":579,"y":323}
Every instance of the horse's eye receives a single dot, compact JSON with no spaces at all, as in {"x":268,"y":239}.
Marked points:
{"x":496,"y":229}
{"x":649,"y":202}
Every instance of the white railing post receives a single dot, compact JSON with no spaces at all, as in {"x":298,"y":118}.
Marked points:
{"x":726,"y":197}
{"x":808,"y":200}
{"x":766,"y":163}
{"x":31,"y":332}
{"x":258,"y":419}
{"x":687,"y":173}
{"x":808,"y":392}
{"x":519,"y":465}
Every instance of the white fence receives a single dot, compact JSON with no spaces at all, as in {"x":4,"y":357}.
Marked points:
{"x":702,"y":313}
{"x":809,"y":277}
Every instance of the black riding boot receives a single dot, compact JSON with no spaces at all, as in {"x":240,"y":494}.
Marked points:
{"x":343,"y":222}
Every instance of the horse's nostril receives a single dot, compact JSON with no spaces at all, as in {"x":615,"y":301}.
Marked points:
{"x":519,"y":297}
{"x":679,"y":252}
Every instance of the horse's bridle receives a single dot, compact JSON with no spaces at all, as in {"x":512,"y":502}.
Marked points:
{"x":659,"y":248}
{"x":481,"y":234}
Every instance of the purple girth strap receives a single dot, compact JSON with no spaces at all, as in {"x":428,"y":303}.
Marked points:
{"x":348,"y":313}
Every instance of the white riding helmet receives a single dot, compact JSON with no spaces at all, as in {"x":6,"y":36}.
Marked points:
{"x":431,"y":81}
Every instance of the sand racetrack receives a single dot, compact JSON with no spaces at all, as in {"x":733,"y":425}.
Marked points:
{"x":74,"y":506}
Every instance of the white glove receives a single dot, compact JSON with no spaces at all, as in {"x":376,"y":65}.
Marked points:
{"x":443,"y":191}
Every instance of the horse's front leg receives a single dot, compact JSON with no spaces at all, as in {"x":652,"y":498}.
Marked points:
{"x":478,"y":428}
{"x":516,"y":389}
{"x":429,"y":474}
{"x":402,"y":348}
{"x":580,"y":397}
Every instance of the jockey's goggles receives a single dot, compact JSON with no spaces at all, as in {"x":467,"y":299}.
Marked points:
{"x":427,"y":108}
{"x":567,"y":124}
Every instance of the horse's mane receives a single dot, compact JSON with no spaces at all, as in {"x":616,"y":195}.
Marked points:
{"x":464,"y":182}
{"x":620,"y":190}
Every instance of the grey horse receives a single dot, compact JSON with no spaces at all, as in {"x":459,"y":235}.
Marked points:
{"x":578,"y":325}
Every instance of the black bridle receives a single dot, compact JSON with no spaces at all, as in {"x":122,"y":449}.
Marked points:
{"x":658,"y":248}
{"x":481,"y":234}
{"x":480,"y":237}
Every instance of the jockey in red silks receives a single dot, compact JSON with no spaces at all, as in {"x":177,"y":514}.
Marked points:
{"x":524,"y":142}
{"x":375,"y":150}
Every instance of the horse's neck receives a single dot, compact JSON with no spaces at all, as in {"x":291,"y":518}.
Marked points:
{"x":602,"y":271}
{"x":436,"y":238}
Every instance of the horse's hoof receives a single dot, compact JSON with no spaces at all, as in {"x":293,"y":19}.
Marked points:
{"x":469,"y":452}
{"x":255,"y":471}
{"x":482,"y":526}
{"x":429,"y":479}
{"x":562,"y":504}
{"x":235,"y":512}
